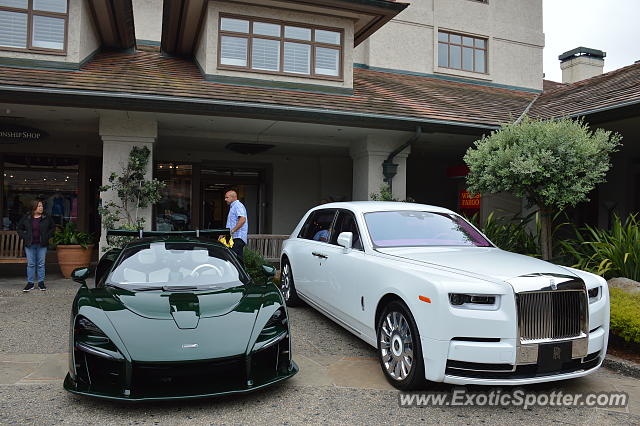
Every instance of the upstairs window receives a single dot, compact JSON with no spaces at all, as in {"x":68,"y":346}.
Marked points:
{"x":34,"y":25}
{"x":462,"y":52}
{"x":275,"y":47}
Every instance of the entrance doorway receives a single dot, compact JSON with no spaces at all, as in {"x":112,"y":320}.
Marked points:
{"x":215,"y":182}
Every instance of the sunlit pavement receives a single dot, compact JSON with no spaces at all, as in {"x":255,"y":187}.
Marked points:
{"x":340,"y":380}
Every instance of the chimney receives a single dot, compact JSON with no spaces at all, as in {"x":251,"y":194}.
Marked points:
{"x":581,"y":63}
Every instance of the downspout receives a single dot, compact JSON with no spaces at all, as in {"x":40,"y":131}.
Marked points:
{"x":389,"y":168}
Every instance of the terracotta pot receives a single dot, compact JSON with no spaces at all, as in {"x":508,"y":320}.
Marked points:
{"x":72,"y":257}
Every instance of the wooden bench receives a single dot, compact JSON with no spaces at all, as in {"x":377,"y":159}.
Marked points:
{"x":11,"y":248}
{"x":268,"y":245}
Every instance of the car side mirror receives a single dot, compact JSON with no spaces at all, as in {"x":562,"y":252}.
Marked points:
{"x":80,"y":275}
{"x":269,"y":271}
{"x":345,"y":239}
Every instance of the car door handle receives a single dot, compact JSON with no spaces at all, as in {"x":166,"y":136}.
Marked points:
{"x":320,"y":255}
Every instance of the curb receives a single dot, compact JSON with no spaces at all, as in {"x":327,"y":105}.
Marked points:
{"x":622,"y":366}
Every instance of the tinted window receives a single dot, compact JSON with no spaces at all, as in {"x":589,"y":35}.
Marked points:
{"x":346,"y":222}
{"x":177,"y":264}
{"x":416,"y":228}
{"x":318,"y":225}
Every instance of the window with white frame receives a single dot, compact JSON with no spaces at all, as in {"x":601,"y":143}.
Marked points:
{"x":276,"y":47}
{"x":34,"y":25}
{"x":462,"y":52}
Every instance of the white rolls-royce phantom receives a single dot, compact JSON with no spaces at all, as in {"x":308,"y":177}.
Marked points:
{"x":439,"y":301}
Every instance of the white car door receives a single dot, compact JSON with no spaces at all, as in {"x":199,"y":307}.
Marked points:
{"x":344,"y":269}
{"x":308,"y":254}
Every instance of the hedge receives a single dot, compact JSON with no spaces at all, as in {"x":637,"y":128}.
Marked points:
{"x":625,"y":315}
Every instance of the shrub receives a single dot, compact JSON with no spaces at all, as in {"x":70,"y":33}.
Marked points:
{"x":614,"y":253}
{"x":253,"y":262}
{"x":69,"y":236}
{"x":511,"y":234}
{"x":625,"y":315}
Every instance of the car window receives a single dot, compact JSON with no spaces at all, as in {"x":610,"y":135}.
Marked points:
{"x":177,"y":264}
{"x":346,"y":222}
{"x":420,"y":229}
{"x":318,"y":225}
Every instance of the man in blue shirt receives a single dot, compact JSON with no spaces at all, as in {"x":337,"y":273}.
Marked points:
{"x":237,"y":223}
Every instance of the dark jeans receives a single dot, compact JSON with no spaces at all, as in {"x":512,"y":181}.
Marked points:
{"x":238,"y":249}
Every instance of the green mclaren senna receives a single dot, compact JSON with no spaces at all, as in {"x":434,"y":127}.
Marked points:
{"x":174,"y":315}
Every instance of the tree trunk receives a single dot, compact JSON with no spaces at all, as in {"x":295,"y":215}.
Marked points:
{"x":546,"y":224}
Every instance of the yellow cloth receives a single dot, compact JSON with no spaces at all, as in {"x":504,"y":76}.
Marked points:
{"x":228,"y":243}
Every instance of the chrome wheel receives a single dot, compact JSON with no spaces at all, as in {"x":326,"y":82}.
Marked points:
{"x":285,"y":282}
{"x":396,"y":345}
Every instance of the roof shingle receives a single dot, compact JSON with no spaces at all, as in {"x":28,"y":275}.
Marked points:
{"x":418,"y":98}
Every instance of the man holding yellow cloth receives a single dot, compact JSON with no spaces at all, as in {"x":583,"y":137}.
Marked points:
{"x":237,"y":223}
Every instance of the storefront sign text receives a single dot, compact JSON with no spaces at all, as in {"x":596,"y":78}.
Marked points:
{"x":20,"y":134}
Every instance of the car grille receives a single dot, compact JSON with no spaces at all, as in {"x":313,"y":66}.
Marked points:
{"x":551,"y":314}
{"x":188,"y":378}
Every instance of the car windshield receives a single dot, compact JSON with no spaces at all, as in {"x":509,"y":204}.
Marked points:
{"x":421,"y":229}
{"x":175,"y":265}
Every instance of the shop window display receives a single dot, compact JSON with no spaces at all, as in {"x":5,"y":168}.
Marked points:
{"x":54,"y":180}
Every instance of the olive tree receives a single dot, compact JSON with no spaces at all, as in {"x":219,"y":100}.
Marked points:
{"x":553,"y":164}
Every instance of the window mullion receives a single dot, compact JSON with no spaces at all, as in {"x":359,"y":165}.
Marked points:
{"x":250,"y":46}
{"x":29,"y":24}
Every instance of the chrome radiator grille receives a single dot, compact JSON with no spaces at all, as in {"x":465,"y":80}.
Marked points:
{"x":551,"y":314}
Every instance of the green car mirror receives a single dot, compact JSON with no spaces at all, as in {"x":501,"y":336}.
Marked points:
{"x":269,"y":271}
{"x":80,"y":275}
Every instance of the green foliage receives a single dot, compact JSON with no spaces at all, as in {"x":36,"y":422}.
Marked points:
{"x":69,"y":236}
{"x":550,"y":163}
{"x":609,"y":253}
{"x":512,"y":234}
{"x":253,"y":262}
{"x":553,"y":164}
{"x":133,"y":193}
{"x":386,"y":195}
{"x":625,"y":314}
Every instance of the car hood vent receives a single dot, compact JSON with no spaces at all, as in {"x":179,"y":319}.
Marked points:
{"x":183,"y":307}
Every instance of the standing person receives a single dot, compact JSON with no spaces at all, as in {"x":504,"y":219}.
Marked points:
{"x":237,"y":223}
{"x":35,"y":228}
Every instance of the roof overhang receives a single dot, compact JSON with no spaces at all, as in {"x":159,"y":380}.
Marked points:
{"x":114,"y":22}
{"x":182,"y":19}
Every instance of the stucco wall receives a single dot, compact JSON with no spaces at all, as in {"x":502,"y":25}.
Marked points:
{"x":81,"y":38}
{"x":513,"y":29}
{"x":210,"y":31}
{"x":147,"y":15}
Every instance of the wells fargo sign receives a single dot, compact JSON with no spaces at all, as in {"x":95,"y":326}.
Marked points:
{"x":20,"y":134}
{"x":469,"y":201}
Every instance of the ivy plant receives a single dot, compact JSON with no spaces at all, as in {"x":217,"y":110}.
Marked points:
{"x":132,"y":192}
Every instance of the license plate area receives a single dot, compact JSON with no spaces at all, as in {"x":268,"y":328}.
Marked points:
{"x":551,"y":356}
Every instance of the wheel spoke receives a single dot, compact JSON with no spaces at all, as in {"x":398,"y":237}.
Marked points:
{"x":397,"y":370}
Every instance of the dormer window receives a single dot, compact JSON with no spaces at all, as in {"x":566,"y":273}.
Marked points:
{"x":276,"y":47}
{"x":34,"y":25}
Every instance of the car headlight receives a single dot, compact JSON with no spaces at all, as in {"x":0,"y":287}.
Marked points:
{"x":486,"y":302}
{"x":274,"y":330}
{"x":89,"y":338}
{"x":595,"y":294}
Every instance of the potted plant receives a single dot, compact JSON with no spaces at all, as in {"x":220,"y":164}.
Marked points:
{"x":73,"y":248}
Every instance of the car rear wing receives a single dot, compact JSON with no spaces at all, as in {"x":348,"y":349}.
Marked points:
{"x":206,"y":233}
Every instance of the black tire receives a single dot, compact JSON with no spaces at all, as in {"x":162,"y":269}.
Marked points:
{"x":393,"y":349}
{"x":288,"y":286}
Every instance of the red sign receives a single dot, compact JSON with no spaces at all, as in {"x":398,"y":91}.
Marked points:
{"x":469,"y":203}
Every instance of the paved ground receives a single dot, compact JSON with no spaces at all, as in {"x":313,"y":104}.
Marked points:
{"x":340,"y":381}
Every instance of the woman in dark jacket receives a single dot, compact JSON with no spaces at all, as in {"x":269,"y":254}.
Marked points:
{"x":35,"y":228}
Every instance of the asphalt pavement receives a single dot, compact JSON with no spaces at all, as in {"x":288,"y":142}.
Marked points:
{"x":340,"y":381}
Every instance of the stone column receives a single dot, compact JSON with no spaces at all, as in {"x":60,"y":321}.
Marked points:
{"x":368,"y":155}
{"x":120,"y":132}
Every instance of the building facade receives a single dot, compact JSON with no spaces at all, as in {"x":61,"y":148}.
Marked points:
{"x":291,"y":103}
